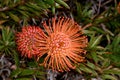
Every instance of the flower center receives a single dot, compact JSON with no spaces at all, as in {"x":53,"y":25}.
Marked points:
{"x":58,"y":43}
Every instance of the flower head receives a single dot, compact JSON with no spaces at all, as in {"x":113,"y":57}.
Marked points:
{"x":64,"y":44}
{"x":27,"y":41}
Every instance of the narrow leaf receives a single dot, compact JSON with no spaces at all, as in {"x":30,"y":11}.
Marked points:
{"x":96,"y":41}
{"x":14,"y":17}
{"x":62,"y":3}
{"x":110,"y":77}
{"x":112,"y":71}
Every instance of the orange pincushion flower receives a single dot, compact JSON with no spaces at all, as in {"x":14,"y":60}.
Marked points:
{"x":27,"y":41}
{"x":64,"y":44}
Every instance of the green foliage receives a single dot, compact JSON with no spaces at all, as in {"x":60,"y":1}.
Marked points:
{"x":97,"y":65}
{"x":61,"y":2}
{"x":20,"y":74}
{"x":102,"y":61}
{"x":94,"y":41}
{"x":15,"y":11}
{"x":84,"y":14}
{"x":114,"y":50}
{"x":56,"y":4}
{"x":7,"y":43}
{"x":15,"y":56}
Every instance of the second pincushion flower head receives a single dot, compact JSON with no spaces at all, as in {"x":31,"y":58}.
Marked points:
{"x":27,"y":41}
{"x":63,"y":43}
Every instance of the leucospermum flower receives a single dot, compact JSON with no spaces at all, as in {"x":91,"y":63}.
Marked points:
{"x":27,"y":41}
{"x":64,"y":44}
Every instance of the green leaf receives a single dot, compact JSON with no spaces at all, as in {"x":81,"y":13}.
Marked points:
{"x":15,"y":1}
{"x":50,"y":2}
{"x":88,"y":70}
{"x":24,"y":79}
{"x":88,"y":32}
{"x":62,"y":3}
{"x":78,"y":70}
{"x":91,"y":65}
{"x":95,"y":41}
{"x":98,"y":30}
{"x":9,"y":33}
{"x":32,"y":63}
{"x":15,"y":73}
{"x":27,"y":72}
{"x":23,"y":13}
{"x":106,"y":63}
{"x":112,"y":71}
{"x":3,"y":15}
{"x":84,"y":68}
{"x":3,"y":34}
{"x":53,"y":9}
{"x":116,"y":40}
{"x":14,"y":17}
{"x":22,"y":72}
{"x":39,"y":73}
{"x":94,"y":57}
{"x":1,"y":47}
{"x":105,"y":76}
{"x":16,"y":58}
{"x":34,"y":6}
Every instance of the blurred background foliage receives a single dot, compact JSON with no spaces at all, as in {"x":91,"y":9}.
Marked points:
{"x":100,"y":20}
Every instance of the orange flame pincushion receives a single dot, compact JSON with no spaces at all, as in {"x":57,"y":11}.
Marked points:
{"x":27,"y":41}
{"x":64,"y":44}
